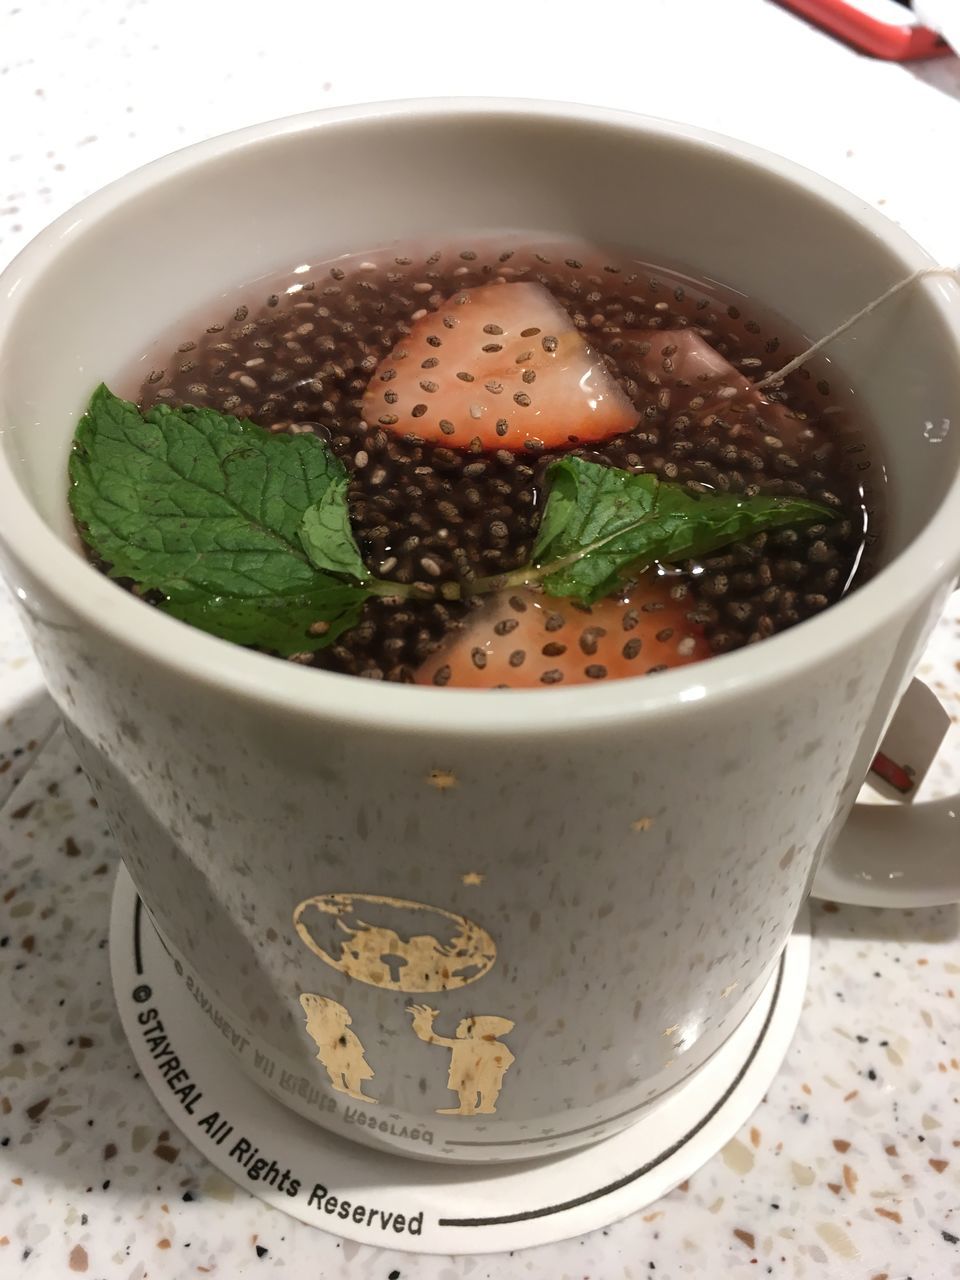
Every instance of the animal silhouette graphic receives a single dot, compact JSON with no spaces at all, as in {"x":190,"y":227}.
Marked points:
{"x":382,"y":941}
{"x":338,"y":1048}
{"x":478,"y":1060}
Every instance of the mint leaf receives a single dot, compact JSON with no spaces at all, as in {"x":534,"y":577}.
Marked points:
{"x":326,"y":536}
{"x":208,"y":510}
{"x":187,"y":499}
{"x":586,"y":502}
{"x":601,"y":524}
{"x":279,"y":623}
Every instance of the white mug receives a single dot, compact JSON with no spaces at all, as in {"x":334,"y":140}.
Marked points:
{"x":589,"y":886}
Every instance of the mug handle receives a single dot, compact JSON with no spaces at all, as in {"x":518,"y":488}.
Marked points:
{"x":902,"y":854}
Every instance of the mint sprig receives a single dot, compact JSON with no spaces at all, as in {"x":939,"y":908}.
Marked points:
{"x":247,"y":534}
{"x":601,"y":525}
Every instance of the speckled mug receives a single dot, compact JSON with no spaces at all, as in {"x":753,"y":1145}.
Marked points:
{"x":476,"y":925}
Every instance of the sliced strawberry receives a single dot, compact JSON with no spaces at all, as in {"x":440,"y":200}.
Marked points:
{"x":702,"y":382}
{"x":502,"y":364}
{"x":692,"y":359}
{"x":526,"y":640}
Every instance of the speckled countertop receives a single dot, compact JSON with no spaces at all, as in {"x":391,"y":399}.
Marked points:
{"x":850,"y":1169}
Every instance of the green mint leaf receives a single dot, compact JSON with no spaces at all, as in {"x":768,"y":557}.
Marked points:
{"x":187,"y":500}
{"x":601,"y":524}
{"x":279,"y":623}
{"x":327,"y":538}
{"x":208,"y":511}
{"x":587,"y":502}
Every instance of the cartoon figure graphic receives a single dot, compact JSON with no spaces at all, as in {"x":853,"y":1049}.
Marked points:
{"x":338,"y":1048}
{"x":478,"y":1061}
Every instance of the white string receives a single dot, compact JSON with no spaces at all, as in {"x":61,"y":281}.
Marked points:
{"x":801,"y":359}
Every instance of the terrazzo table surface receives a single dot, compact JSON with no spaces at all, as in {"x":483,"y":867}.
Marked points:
{"x":851,"y":1167}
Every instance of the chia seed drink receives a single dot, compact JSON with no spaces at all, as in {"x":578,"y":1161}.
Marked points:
{"x":448,"y":380}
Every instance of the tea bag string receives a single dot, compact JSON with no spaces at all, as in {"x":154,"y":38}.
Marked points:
{"x":774,"y":378}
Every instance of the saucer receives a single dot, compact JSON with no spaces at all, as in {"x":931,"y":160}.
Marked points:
{"x":373,"y":1197}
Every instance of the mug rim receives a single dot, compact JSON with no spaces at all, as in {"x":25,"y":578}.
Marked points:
{"x":187,"y":652}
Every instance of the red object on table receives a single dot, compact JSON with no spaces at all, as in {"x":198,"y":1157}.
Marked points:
{"x":895,"y":41}
{"x":891,"y":772}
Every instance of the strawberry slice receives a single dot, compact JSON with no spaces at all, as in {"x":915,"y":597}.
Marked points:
{"x":701,"y":381}
{"x":692,"y":359}
{"x":526,"y":640}
{"x":504,"y":365}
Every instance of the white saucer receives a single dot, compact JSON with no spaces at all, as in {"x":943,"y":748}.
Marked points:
{"x":409,"y":1204}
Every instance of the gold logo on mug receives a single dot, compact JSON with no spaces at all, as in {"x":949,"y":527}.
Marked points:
{"x":383,"y":941}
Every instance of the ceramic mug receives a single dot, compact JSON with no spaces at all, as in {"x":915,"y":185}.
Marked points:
{"x":478,"y":925}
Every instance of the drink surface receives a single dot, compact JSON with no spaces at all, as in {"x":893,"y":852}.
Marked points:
{"x":447,"y":381}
